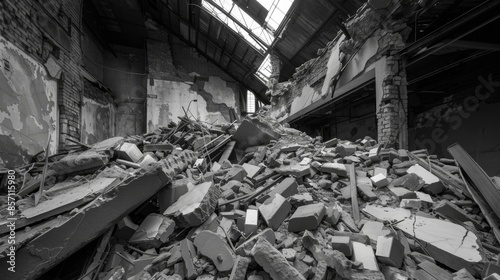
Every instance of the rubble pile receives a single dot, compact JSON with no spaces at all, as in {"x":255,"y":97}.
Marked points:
{"x":257,"y":200}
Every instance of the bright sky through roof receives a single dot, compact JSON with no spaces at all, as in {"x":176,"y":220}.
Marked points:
{"x":277,"y":11}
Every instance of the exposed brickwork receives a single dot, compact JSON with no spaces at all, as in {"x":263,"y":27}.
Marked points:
{"x":391,"y":116}
{"x":24,"y":23}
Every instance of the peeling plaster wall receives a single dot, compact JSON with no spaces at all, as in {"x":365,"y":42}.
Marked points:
{"x":97,"y":121}
{"x":28,"y":109}
{"x":172,"y":96}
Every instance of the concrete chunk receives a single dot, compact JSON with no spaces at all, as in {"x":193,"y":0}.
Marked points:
{"x":245,"y":248}
{"x":276,"y":211}
{"x":364,"y":254}
{"x":379,"y":180}
{"x":251,"y":222}
{"x":188,"y":254}
{"x":390,"y":251}
{"x":153,"y":231}
{"x":374,"y":229}
{"x":285,"y":188}
{"x":240,"y":268}
{"x":87,"y":161}
{"x":454,"y":213}
{"x":273,"y":262}
{"x":342,"y":244}
{"x":210,"y":245}
{"x":333,"y":167}
{"x":129,"y":152}
{"x":306,"y":217}
{"x":194,"y":207}
{"x":432,"y":183}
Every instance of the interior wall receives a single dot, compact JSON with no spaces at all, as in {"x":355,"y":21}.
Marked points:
{"x":125,"y":75}
{"x":28,"y":110}
{"x":180,"y":79}
{"x":471,"y":122}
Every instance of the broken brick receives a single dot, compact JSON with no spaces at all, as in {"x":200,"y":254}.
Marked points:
{"x":306,"y":217}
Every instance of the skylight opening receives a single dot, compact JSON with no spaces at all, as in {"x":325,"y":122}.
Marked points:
{"x":277,"y":10}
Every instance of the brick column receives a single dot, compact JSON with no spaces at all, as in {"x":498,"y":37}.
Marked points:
{"x":393,"y":108}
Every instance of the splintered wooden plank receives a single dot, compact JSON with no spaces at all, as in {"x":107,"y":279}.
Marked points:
{"x":354,"y":192}
{"x":68,"y":200}
{"x":478,"y":177}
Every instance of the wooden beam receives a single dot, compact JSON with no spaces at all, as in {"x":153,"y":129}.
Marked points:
{"x":354,"y":192}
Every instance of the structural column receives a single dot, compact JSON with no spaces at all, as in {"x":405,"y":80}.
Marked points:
{"x":393,"y":107}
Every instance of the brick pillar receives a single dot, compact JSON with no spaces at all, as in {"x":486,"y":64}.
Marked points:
{"x":393,"y":108}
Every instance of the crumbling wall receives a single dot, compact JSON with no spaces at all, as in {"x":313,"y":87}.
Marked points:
{"x":97,"y":115}
{"x":180,"y":79}
{"x":47,"y":31}
{"x":376,"y":33}
{"x":28,"y":111}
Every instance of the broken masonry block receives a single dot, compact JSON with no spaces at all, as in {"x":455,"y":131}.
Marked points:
{"x":403,"y":154}
{"x":358,"y":237}
{"x":306,"y":217}
{"x":285,"y":188}
{"x":374,"y":229}
{"x":410,"y":181}
{"x":320,"y":271}
{"x":432,"y":183}
{"x":364,"y":254}
{"x":153,"y":231}
{"x":244,"y":249}
{"x":364,"y":185}
{"x":188,"y":253}
{"x":332,"y":215}
{"x":289,"y":254}
{"x":211,"y":224}
{"x":175,"y":255}
{"x":333,"y":167}
{"x":342,"y":244}
{"x":411,"y":203}
{"x":85,"y":162}
{"x":146,"y":160}
{"x":251,"y":169}
{"x":125,"y":228}
{"x":453,"y":213}
{"x":392,"y":273}
{"x":301,"y":199}
{"x":276,"y":211}
{"x":194,"y":207}
{"x":291,"y":148}
{"x":170,"y":194}
{"x":237,"y":173}
{"x":240,"y":267}
{"x":401,"y":192}
{"x":331,"y":143}
{"x":294,"y":169}
{"x":273,"y":262}
{"x":462,"y":274}
{"x":390,"y":251}
{"x":253,"y":132}
{"x":379,"y":180}
{"x":129,"y":152}
{"x":228,"y":228}
{"x":212,"y":246}
{"x":251,"y":222}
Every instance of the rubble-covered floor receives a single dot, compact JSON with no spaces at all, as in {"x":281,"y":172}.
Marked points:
{"x":254,"y":200}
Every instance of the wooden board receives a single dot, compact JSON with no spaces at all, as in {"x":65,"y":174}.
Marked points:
{"x":354,"y":192}
{"x":477,"y":176}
